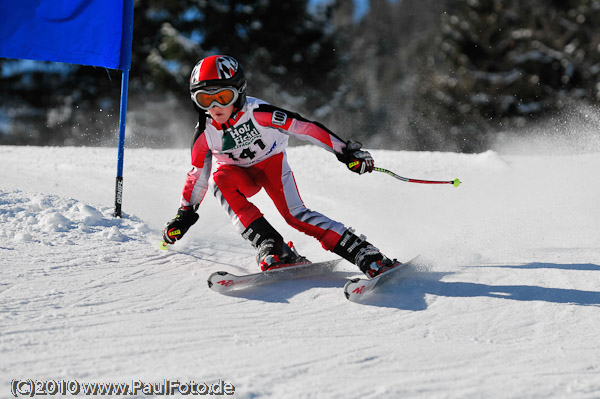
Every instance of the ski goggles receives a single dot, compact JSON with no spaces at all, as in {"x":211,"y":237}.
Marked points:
{"x":220,"y":97}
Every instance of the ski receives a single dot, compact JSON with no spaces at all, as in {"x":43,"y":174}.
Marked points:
{"x":224,"y":282}
{"x":359,"y":288}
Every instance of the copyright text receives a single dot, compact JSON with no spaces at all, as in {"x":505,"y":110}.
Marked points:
{"x":31,"y":388}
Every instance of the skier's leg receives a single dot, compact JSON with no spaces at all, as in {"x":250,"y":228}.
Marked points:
{"x":231,"y":186}
{"x":281,"y":187}
{"x":278,"y":181}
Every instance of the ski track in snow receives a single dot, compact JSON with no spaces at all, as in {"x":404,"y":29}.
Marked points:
{"x":504,"y":303}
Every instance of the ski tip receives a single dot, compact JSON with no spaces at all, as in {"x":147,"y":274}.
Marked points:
{"x":163,"y":245}
{"x":456,"y":182}
{"x":210,"y":278}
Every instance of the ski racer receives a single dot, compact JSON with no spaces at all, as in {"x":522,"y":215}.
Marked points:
{"x":248,"y":137}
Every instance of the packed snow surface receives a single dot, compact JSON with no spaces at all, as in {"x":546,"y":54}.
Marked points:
{"x":504,"y":303}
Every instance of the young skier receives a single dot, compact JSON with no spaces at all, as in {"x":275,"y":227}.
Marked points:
{"x":248,"y":137}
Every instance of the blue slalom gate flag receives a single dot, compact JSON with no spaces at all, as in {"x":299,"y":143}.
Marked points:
{"x":85,"y":32}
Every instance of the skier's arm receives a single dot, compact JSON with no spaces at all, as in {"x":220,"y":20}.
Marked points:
{"x":196,"y":184}
{"x":295,"y":125}
{"x":195,"y":188}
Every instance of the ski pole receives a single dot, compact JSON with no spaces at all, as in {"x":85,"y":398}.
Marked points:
{"x":454,"y":182}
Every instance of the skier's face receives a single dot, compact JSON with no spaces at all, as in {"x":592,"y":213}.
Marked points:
{"x":221,"y":115}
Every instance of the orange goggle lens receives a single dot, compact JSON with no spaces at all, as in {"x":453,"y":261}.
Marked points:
{"x":221,"y":98}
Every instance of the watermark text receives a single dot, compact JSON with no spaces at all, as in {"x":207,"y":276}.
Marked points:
{"x":31,"y":388}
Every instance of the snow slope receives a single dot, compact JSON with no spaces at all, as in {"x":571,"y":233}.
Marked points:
{"x":504,"y":305}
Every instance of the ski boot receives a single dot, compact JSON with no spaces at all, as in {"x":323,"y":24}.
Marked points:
{"x":272,"y":250}
{"x":268,"y":259}
{"x":377,"y":267}
{"x":363,"y":254}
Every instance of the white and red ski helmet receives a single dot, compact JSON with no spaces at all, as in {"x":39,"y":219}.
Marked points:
{"x":219,"y":71}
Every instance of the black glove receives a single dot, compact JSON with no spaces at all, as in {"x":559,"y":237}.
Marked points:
{"x":180,"y":224}
{"x":356,"y":160}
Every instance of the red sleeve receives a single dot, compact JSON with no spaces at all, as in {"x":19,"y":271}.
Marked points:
{"x":295,"y":125}
{"x":196,"y":183}
{"x":199,"y":151}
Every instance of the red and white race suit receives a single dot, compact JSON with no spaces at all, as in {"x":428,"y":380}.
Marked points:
{"x":250,"y":154}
